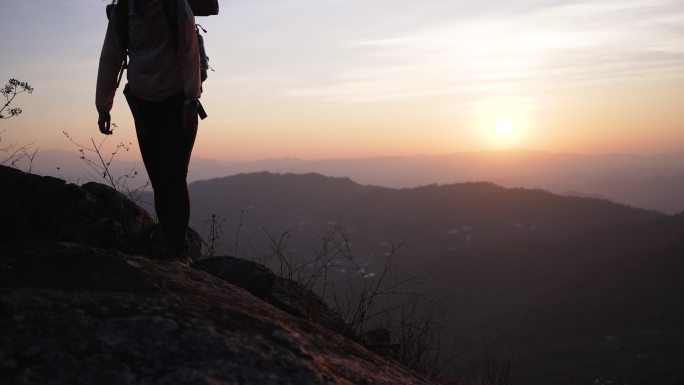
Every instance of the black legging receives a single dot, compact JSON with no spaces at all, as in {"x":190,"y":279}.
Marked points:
{"x":166,"y":151}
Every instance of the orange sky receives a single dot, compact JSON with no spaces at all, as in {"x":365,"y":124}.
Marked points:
{"x":340,"y":79}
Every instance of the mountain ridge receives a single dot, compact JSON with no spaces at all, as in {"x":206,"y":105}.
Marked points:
{"x":314,"y":197}
{"x":648,"y":181}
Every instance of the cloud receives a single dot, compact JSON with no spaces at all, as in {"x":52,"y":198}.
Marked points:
{"x":523,"y":50}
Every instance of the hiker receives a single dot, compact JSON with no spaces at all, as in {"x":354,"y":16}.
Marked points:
{"x":163,"y":88}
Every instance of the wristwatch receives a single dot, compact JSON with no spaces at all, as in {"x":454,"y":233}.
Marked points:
{"x":193,"y":103}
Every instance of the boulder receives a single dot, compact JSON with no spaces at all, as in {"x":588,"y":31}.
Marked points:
{"x":43,"y":207}
{"x":251,"y":276}
{"x":283,"y":293}
{"x":47,"y":208}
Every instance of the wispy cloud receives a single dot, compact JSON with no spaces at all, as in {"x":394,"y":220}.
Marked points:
{"x":514,"y":51}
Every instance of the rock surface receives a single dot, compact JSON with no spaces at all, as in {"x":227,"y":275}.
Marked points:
{"x":75,"y":314}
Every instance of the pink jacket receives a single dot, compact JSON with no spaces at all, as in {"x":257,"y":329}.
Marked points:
{"x":156,"y":70}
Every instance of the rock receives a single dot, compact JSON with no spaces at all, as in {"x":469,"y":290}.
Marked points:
{"x":42,"y":207}
{"x":378,"y":341}
{"x":77,"y":314}
{"x":298,"y":300}
{"x":251,"y":276}
{"x":283,"y":293}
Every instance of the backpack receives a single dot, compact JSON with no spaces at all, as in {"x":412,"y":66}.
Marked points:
{"x":117,"y":14}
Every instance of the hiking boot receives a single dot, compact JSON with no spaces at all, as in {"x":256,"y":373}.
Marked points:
{"x":168,"y":249}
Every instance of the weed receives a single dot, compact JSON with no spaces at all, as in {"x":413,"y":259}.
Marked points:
{"x":100,"y":168}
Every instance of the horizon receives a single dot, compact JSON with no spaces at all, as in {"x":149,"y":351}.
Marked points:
{"x":133,"y":156}
{"x":294,"y":80}
{"x":650,"y":181}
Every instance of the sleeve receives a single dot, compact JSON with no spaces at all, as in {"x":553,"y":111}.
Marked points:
{"x":188,"y":51}
{"x":111,"y":60}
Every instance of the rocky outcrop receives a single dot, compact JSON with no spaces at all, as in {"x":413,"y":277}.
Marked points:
{"x":76,"y":314}
{"x":254,"y":277}
{"x":285,"y":294}
{"x":43,"y":207}
{"x":80,"y":305}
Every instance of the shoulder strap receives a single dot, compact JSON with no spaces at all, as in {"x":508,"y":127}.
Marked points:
{"x":120,"y":19}
{"x":120,"y":22}
{"x":117,"y":13}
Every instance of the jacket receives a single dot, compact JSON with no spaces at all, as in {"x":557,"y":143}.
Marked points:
{"x":158,"y":68}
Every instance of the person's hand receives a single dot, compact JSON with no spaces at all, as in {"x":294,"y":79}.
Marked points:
{"x":104,"y":122}
{"x":189,"y":123}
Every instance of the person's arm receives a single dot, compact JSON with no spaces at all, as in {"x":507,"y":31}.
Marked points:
{"x":111,"y":59}
{"x":188,"y":51}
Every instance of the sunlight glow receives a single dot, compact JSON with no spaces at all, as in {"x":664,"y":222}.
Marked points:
{"x":504,"y":127}
{"x":505,"y":121}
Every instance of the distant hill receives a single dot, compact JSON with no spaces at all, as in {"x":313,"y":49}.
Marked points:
{"x":572,"y":290}
{"x":648,"y":181}
{"x":448,"y":216}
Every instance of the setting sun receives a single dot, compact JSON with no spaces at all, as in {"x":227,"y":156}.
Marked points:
{"x":503,"y":132}
{"x":504,"y":127}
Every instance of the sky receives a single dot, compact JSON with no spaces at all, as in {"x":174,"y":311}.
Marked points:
{"x":341,"y":79}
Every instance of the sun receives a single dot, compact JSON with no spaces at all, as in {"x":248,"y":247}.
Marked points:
{"x":505,"y":127}
{"x":505,"y":133}
{"x":504,"y":122}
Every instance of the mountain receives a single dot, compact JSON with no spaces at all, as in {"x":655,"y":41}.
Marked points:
{"x":569,"y":289}
{"x":649,"y":181}
{"x":434,"y":217}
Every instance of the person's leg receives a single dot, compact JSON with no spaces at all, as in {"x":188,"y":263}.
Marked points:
{"x":149,"y":123}
{"x":145,"y":115}
{"x":177,"y":148}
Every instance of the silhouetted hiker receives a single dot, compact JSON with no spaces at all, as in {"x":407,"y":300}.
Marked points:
{"x":162,"y":92}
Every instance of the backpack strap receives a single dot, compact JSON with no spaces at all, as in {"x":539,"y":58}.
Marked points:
{"x":119,"y":9}
{"x":117,"y":13}
{"x":119,"y":17}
